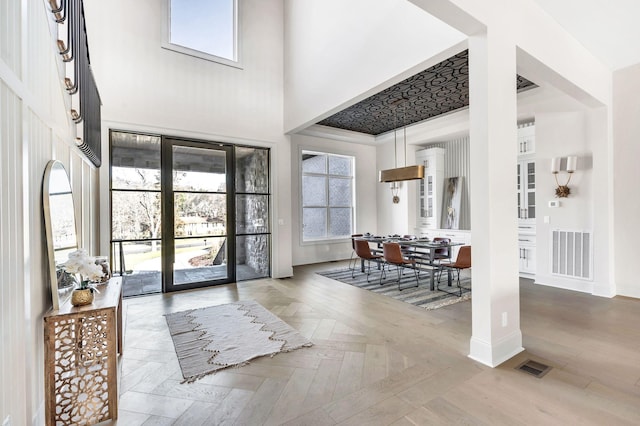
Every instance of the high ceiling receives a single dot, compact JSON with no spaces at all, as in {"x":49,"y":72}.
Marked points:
{"x":608,"y":29}
{"x":437,"y":90}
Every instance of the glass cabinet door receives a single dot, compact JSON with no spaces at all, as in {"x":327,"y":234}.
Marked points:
{"x":429,"y":196}
{"x":519,"y":190}
{"x":429,"y":212}
{"x":526,"y":189}
{"x":531,"y":190}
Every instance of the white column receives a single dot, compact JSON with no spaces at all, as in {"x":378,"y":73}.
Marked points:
{"x":496,"y":334}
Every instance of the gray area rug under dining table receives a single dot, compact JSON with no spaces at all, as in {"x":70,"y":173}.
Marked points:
{"x":420,"y":296}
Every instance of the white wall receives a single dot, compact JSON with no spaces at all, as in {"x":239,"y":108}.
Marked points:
{"x":626,"y":128}
{"x":143,"y":84}
{"x":338,"y":52}
{"x":366,"y":183}
{"x":34,"y":128}
{"x":560,"y":134}
{"x":147,"y":88}
{"x":564,"y":126}
{"x":395,"y":218}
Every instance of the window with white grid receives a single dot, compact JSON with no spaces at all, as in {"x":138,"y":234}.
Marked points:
{"x":327,"y":189}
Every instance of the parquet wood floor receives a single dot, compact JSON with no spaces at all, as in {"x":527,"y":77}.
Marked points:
{"x":377,"y":361}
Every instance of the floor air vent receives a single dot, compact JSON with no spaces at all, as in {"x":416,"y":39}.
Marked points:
{"x":534,"y":368}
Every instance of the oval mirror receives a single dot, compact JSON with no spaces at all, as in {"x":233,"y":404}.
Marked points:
{"x":60,"y":229}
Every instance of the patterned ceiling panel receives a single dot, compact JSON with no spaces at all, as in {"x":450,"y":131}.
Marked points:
{"x":437,"y":90}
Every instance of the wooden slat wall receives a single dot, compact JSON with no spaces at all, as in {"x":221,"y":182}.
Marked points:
{"x":34,"y":128}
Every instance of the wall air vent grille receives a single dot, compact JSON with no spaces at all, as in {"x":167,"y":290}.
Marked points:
{"x":571,"y":254}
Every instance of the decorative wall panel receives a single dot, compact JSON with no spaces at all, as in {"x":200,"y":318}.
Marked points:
{"x":437,"y":90}
{"x":11,"y":35}
{"x":34,"y":128}
{"x":13,"y":359}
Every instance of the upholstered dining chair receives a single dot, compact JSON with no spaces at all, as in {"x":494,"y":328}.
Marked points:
{"x":354,"y":257}
{"x":463,"y":261}
{"x":393,"y":256}
{"x":363,"y":251}
{"x":406,"y":248}
{"x":442,"y":253}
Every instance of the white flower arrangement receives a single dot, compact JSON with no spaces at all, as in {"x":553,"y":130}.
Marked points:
{"x":81,"y":263}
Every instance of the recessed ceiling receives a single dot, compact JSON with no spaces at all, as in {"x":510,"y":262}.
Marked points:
{"x":437,"y":90}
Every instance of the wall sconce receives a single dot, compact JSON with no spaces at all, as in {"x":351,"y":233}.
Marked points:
{"x":563,"y":191}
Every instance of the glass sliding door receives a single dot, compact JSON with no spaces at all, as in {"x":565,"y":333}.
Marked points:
{"x":197,"y":207}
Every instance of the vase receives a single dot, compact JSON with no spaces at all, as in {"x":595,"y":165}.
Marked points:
{"x":81,"y":297}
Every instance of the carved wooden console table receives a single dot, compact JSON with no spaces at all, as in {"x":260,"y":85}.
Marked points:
{"x":81,"y":365}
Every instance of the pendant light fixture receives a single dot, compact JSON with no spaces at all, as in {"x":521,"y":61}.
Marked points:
{"x":399,"y":174}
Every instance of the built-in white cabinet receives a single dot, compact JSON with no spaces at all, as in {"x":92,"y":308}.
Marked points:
{"x":430,"y":199}
{"x":526,"y":190}
{"x":526,"y":187}
{"x":527,"y":251}
{"x":430,"y":188}
{"x":456,"y":236}
{"x":526,"y":139}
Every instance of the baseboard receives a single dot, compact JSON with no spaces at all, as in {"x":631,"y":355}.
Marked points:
{"x":495,"y":354}
{"x":285,"y":272}
{"x":629,"y":292}
{"x":565,"y":284}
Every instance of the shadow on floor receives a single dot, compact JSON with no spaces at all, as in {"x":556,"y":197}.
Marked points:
{"x":140,"y":283}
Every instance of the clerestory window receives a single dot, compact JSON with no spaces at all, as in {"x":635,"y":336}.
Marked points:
{"x":207,"y":29}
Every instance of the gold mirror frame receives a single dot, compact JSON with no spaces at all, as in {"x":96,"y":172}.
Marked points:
{"x":61,"y":229}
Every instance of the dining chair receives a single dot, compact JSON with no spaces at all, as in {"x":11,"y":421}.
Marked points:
{"x":463,"y":261}
{"x":393,"y":255}
{"x":354,"y":257}
{"x":363,"y":251}
{"x":441,"y":254}
{"x":406,"y":248}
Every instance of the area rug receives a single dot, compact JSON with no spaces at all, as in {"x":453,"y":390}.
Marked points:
{"x":419,"y":296}
{"x":217,"y":337}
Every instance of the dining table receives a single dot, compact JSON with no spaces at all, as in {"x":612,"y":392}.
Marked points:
{"x":422,"y":250}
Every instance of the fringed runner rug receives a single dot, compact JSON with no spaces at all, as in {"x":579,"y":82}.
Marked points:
{"x":223,"y":336}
